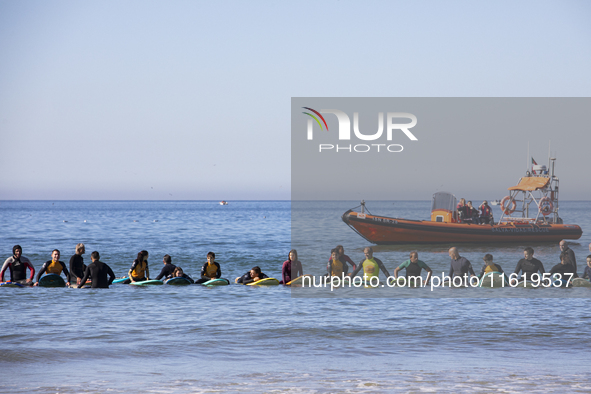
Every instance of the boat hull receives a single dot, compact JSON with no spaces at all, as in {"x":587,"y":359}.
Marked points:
{"x":383,"y":230}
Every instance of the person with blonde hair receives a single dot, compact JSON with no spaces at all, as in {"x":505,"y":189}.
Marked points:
{"x":77,"y":266}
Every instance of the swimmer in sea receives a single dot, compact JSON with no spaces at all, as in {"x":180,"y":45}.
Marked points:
{"x":17,"y":264}
{"x":414,"y":267}
{"x":292,"y":268}
{"x":54,"y":266}
{"x":178,"y":273}
{"x":342,"y":257}
{"x":77,"y":266}
{"x":335,"y":266}
{"x":529,"y":265}
{"x":210,"y":270}
{"x":254,"y":275}
{"x":371,"y":266}
{"x":168,"y":268}
{"x":98,"y":271}
{"x":139,"y":270}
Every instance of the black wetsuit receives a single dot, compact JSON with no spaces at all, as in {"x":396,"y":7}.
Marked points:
{"x":529,"y":267}
{"x":563,"y":269}
{"x":77,"y":266}
{"x":98,"y":271}
{"x":167,"y":271}
{"x":571,"y":259}
{"x":587,"y":273}
{"x":245,"y":279}
{"x":61,"y":267}
{"x":460,"y":267}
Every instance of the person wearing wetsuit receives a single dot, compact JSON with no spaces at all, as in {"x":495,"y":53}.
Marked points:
{"x":587,"y":272}
{"x":168,"y":268}
{"x":564,"y":267}
{"x":98,"y":271}
{"x":529,"y":265}
{"x":335,"y":266}
{"x":178,"y":273}
{"x":371,"y":266}
{"x":570,"y":255}
{"x":342,"y":257}
{"x":291,"y":269}
{"x":210,"y":270}
{"x":17,"y":264}
{"x":77,"y":266}
{"x":54,"y":266}
{"x":489,"y":266}
{"x":459,"y":266}
{"x":139,"y":270}
{"x":254,"y":275}
{"x":414,"y":267}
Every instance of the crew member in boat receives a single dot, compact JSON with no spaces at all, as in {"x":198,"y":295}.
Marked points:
{"x":569,"y":254}
{"x":486,"y":216}
{"x":564,"y":267}
{"x":168,"y":268}
{"x":254,"y":275}
{"x":179,"y":273}
{"x":459,"y":266}
{"x":291,"y":268}
{"x":489,"y":266}
{"x":587,"y":272}
{"x":461,"y":208}
{"x":529,"y":265}
{"x":414,"y":267}
{"x":371,"y":266}
{"x":17,"y":264}
{"x":210,"y":270}
{"x":54,"y":266}
{"x":472,"y":213}
{"x":139,"y":270}
{"x":335,"y":266}
{"x":342,"y":257}
{"x":98,"y":271}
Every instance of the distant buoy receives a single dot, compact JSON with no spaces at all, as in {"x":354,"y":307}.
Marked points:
{"x":155,"y":221}
{"x":85,"y":221}
{"x":135,"y":221}
{"x":65,"y":221}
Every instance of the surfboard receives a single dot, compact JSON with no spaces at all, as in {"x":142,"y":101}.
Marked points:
{"x":11,"y":284}
{"x":147,"y":282}
{"x":120,"y":280}
{"x":216,"y":282}
{"x":497,"y":280}
{"x":52,"y":280}
{"x":177,"y":281}
{"x":580,"y":282}
{"x":299,"y":281}
{"x":265,"y":282}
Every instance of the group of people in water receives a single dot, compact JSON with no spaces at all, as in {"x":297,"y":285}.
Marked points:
{"x":469,"y":214}
{"x":101,"y":275}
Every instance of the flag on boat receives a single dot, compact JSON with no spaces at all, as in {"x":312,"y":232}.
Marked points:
{"x":533,"y":163}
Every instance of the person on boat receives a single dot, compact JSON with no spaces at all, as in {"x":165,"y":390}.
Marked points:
{"x":292,"y":268}
{"x":461,"y":208}
{"x":472,"y":213}
{"x":54,"y":266}
{"x":569,"y":254}
{"x":587,"y":272}
{"x":97,"y":271}
{"x":489,"y":266}
{"x":371,"y":266}
{"x":335,"y":266}
{"x":168,"y":268}
{"x":178,"y":273}
{"x":342,"y":257}
{"x":529,"y":265}
{"x":77,"y":266}
{"x":254,"y":275}
{"x":414,"y":267}
{"x":17,"y":264}
{"x":139,"y":270}
{"x":486,"y":216}
{"x":459,"y":266}
{"x":564,"y":267}
{"x":210,"y":270}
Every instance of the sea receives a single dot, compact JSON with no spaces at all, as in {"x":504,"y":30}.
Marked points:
{"x":195,"y":339}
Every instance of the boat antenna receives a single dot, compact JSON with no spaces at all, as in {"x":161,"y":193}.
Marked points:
{"x":549,"y":154}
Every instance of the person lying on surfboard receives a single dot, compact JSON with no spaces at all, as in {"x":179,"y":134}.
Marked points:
{"x":178,"y":273}
{"x":292,"y":268}
{"x":254,"y":275}
{"x":54,"y":266}
{"x":210,"y":270}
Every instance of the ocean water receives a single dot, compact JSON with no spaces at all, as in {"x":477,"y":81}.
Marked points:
{"x":166,"y":339}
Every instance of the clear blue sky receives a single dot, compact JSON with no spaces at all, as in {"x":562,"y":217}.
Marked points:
{"x":191,"y":99}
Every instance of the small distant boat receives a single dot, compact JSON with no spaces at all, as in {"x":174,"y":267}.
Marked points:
{"x":495,"y":202}
{"x":223,"y":202}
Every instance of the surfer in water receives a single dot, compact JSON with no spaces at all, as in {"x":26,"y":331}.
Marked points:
{"x":178,"y":273}
{"x":342,"y":257}
{"x":371,"y":266}
{"x":54,"y":266}
{"x":489,"y":266}
{"x":414,"y":267}
{"x":335,"y":266}
{"x":17,"y":264}
{"x":98,"y":271}
{"x":168,"y":268}
{"x":292,"y":268}
{"x":254,"y":275}
{"x":210,"y":270}
{"x":139,"y":270}
{"x":529,"y":265}
{"x":77,"y":266}
{"x":587,"y":272}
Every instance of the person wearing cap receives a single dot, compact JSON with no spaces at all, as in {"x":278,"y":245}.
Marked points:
{"x":17,"y":264}
{"x":486,"y":216}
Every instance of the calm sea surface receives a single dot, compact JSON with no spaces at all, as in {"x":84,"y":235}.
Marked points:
{"x":167,"y":339}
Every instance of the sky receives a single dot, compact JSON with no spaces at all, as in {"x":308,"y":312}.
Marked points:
{"x":155,"y":100}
